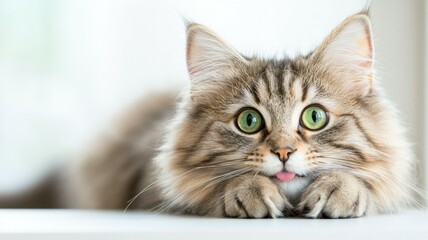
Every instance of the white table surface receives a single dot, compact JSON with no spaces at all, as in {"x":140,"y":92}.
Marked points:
{"x":84,"y":224}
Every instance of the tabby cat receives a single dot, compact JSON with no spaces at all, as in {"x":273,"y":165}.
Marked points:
{"x":312,"y":136}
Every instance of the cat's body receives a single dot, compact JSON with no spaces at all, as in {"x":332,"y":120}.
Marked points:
{"x":121,"y":164}
{"x":190,"y":152}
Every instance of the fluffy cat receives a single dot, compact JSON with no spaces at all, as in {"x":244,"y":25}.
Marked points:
{"x":254,"y":138}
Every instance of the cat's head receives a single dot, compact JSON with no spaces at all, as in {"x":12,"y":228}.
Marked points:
{"x":289,"y":119}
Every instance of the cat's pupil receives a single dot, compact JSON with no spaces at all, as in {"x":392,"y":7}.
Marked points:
{"x":314,"y":116}
{"x":250,"y":119}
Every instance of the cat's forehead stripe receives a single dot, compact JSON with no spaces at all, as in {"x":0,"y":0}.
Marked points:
{"x":254,"y":90}
{"x":280,"y":79}
{"x":311,"y":92}
{"x":267,"y":82}
{"x":297,"y":89}
{"x":270,"y":77}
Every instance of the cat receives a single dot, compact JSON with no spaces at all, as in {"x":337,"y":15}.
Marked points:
{"x":312,"y":136}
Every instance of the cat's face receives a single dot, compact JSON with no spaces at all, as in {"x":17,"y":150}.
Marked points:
{"x":287,"y":119}
{"x":281,"y":122}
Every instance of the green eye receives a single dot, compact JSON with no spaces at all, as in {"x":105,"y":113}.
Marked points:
{"x":314,"y":117}
{"x":249,"y":121}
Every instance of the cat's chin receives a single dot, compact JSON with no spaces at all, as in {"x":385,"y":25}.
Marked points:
{"x":294,"y":188}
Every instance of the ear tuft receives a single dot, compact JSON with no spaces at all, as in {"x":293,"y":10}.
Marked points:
{"x":348,"y":53}
{"x":210,"y":60}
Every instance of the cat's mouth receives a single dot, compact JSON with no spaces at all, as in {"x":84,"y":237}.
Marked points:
{"x":285,"y":176}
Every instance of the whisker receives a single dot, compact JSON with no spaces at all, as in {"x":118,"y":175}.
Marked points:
{"x":224,"y":164}
{"x":380,"y":178}
{"x":166,"y":205}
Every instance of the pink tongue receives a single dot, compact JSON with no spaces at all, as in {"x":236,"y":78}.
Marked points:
{"x":285,"y":176}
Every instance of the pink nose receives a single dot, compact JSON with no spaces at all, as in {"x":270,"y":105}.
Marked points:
{"x":283,"y":153}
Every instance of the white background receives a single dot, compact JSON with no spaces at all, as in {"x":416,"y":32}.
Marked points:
{"x":106,"y":225}
{"x":68,"y":67}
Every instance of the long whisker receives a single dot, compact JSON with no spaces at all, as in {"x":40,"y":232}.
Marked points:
{"x":166,"y":205}
{"x":225,"y":164}
{"x":379,"y":177}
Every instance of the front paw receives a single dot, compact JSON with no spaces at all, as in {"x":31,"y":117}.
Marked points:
{"x":335,"y":195}
{"x":252,"y":196}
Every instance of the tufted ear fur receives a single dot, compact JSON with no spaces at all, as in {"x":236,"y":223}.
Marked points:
{"x":210,"y":61}
{"x":347,"y":53}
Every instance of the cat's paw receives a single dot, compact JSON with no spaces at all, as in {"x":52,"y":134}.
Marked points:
{"x":254,"y":197}
{"x":335,"y":195}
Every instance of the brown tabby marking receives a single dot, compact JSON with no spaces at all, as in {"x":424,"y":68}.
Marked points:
{"x":359,"y":163}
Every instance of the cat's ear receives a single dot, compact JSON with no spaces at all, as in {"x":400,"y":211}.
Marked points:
{"x":348,"y":54}
{"x":210,"y":61}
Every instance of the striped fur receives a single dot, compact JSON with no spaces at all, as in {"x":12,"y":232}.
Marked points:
{"x":360,"y":163}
